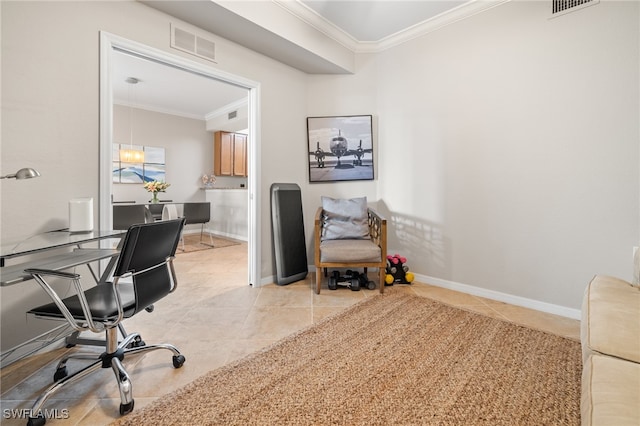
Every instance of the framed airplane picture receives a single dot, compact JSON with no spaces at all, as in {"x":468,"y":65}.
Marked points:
{"x":340,"y":148}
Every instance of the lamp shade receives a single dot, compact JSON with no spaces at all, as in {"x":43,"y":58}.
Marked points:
{"x":25,"y":173}
{"x":132,"y":156}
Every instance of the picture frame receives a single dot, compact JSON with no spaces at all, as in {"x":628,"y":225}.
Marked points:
{"x":153,"y":167}
{"x":340,"y":148}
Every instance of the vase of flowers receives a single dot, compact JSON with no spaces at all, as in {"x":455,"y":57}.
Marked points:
{"x":154,"y":187}
{"x":208,"y":180}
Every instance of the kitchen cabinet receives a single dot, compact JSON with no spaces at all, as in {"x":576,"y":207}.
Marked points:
{"x":229,"y":154}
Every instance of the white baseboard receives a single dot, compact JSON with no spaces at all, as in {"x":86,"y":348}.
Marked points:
{"x":502,"y":297}
{"x":267,"y":280}
{"x":480,"y":292}
{"x":232,"y":236}
{"x":215,"y":233}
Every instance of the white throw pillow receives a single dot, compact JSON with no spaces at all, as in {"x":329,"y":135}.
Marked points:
{"x":344,"y":219}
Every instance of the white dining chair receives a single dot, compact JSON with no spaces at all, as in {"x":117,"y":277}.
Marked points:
{"x":169,"y":212}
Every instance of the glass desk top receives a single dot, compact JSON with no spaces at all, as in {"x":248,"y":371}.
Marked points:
{"x":41,"y":243}
{"x":53,"y":240}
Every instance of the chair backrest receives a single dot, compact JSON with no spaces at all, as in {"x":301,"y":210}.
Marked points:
{"x":197,"y":212}
{"x":146,"y":252}
{"x":156,"y":210}
{"x":169,"y":212}
{"x":125,"y":216}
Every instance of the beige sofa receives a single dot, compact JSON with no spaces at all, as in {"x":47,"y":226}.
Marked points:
{"x":610,"y":335}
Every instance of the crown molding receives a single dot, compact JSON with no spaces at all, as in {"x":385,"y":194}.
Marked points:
{"x":226,"y":109}
{"x":153,"y":108}
{"x":449,"y":17}
{"x":311,"y":17}
{"x":317,"y":21}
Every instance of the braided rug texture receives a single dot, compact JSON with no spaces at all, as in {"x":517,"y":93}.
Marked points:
{"x":393,"y":359}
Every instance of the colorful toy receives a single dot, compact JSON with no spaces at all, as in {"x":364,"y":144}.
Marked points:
{"x":397,"y":271}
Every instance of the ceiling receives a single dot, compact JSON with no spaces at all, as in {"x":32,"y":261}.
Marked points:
{"x":372,"y":21}
{"x":355,"y":22}
{"x":169,"y":90}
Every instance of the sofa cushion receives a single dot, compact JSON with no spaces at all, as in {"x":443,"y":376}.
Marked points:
{"x":610,"y":391}
{"x":611,"y":319}
{"x":344,"y":218}
{"x":351,"y":251}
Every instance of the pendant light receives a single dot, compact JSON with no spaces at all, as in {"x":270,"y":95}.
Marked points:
{"x":131,"y":155}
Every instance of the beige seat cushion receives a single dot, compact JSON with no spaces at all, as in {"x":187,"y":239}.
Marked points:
{"x":611,"y":319}
{"x":351,"y":251}
{"x":610,"y":391}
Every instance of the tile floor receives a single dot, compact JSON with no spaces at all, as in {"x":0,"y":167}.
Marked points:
{"x":214,"y":317}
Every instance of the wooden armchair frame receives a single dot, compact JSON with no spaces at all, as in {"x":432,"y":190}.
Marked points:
{"x":378,"y":234}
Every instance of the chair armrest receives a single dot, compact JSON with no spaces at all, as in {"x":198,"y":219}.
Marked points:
{"x":317,"y":230}
{"x":79,"y":325}
{"x":378,"y":230}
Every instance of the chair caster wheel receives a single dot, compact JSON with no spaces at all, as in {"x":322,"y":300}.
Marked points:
{"x":126,"y":408}
{"x":36,"y":421}
{"x":60,"y":374}
{"x":178,"y":360}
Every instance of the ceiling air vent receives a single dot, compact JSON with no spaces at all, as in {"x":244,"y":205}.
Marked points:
{"x":560,"y":7}
{"x":192,"y":43}
{"x":232,"y":115}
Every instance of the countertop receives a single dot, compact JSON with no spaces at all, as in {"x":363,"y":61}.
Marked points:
{"x":226,"y":188}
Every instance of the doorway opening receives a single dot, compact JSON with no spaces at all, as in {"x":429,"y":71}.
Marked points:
{"x":110,"y":45}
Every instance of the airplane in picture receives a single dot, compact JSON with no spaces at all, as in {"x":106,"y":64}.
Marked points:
{"x":359,"y":153}
{"x":319,"y":154}
{"x":339,"y":148}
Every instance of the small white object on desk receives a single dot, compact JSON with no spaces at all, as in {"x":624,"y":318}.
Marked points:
{"x":81,"y":215}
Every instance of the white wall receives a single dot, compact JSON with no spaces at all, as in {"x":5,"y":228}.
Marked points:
{"x":509,"y":149}
{"x":188,"y":152}
{"x":339,"y":95}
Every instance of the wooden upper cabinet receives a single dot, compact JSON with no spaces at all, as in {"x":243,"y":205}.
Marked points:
{"x":222,"y":154}
{"x":240,"y":155}
{"x":229,"y":154}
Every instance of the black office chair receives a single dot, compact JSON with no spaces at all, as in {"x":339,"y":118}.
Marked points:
{"x":125,"y":216}
{"x":198,"y":213}
{"x":147,"y":257}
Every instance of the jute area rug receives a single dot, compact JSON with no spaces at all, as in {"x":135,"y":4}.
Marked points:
{"x":396,"y":359}
{"x":192,"y":243}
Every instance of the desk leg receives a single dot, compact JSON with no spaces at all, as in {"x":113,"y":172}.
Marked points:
{"x":106,"y":274}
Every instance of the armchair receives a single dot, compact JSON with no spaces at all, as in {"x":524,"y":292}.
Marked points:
{"x":143,"y":275}
{"x":339,"y":247}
